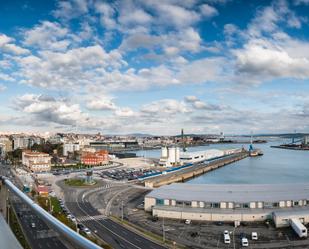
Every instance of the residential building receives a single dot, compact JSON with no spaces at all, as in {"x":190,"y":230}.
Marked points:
{"x":97,"y":158}
{"x":70,"y":148}
{"x":36,"y":161}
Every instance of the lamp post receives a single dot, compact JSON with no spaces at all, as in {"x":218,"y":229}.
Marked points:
{"x":163,"y":228}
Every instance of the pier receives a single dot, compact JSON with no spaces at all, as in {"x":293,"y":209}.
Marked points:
{"x":193,"y":171}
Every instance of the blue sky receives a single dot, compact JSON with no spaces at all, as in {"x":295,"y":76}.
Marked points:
{"x":154,"y":66}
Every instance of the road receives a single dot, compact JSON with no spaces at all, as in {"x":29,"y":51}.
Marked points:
{"x":111,"y":232}
{"x":40,"y":236}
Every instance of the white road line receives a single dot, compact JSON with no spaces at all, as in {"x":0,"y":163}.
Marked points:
{"x":106,"y":227}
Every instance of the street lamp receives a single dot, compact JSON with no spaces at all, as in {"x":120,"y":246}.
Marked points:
{"x":163,"y":228}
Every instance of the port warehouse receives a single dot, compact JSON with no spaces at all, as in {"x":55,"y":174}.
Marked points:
{"x":231,"y":202}
{"x":188,"y":159}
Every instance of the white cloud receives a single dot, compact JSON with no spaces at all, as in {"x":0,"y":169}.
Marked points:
{"x":47,"y":35}
{"x":262,"y":58}
{"x":165,"y":107}
{"x":176,"y":16}
{"x":107,"y":15}
{"x":7,"y":46}
{"x":208,"y":11}
{"x":101,"y":103}
{"x":124,"y":112}
{"x":70,"y":9}
{"x":72,"y":69}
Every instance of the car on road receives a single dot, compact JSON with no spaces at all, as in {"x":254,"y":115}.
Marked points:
{"x":80,"y":226}
{"x":87,"y":231}
{"x":188,"y":222}
{"x":33,"y":225}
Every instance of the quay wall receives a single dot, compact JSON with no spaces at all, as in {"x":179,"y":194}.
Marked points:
{"x":191,"y":172}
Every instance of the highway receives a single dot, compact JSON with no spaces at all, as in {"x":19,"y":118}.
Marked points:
{"x":111,"y":232}
{"x":40,"y":236}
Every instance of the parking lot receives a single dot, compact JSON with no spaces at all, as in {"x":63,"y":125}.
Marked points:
{"x":128,"y":174}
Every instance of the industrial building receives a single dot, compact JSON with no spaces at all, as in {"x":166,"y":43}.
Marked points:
{"x":171,"y":156}
{"x":230,"y":202}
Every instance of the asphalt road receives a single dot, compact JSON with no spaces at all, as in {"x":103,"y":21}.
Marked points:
{"x":111,"y":232}
{"x":40,"y":236}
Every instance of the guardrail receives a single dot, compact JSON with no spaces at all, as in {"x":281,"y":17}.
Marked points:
{"x":58,"y":226}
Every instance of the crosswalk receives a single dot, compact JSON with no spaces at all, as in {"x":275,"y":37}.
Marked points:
{"x":95,"y":217}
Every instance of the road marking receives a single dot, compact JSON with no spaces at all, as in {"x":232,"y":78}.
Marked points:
{"x":106,"y":227}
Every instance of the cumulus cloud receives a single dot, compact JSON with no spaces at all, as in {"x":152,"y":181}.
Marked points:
{"x":74,"y":68}
{"x":99,"y":103}
{"x":50,"y":110}
{"x":47,"y":35}
{"x":197,"y":104}
{"x":70,"y":9}
{"x":7,"y":46}
{"x":208,"y":11}
{"x":164,"y":106}
{"x":47,"y":111}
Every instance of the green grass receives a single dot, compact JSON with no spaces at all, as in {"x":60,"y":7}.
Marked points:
{"x":76,"y":182}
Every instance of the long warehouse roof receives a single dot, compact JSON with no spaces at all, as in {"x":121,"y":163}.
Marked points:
{"x":241,"y":193}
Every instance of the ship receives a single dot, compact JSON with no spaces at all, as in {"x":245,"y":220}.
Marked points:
{"x":255,"y":152}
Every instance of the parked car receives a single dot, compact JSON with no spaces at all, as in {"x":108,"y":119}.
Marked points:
{"x":254,"y":236}
{"x":226,"y":237}
{"x":244,"y":242}
{"x":188,"y":222}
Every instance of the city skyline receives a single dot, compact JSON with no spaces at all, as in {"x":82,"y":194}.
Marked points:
{"x":143,"y":67}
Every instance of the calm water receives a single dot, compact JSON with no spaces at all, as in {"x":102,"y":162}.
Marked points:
{"x":275,"y":166}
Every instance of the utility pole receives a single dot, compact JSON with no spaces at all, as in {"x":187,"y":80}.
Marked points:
{"x":163,"y":228}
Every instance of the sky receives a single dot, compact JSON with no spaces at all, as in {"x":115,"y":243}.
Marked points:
{"x":149,"y":66}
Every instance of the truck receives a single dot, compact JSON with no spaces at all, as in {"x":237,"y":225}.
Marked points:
{"x":298,"y":228}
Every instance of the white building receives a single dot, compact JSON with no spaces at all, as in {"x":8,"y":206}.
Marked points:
{"x":20,"y":142}
{"x":70,"y":147}
{"x":231,"y":202}
{"x":36,"y":161}
{"x":170,"y":156}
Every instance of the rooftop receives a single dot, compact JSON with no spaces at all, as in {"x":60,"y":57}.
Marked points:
{"x":242,"y":193}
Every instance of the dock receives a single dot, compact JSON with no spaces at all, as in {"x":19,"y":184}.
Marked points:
{"x":288,"y":147}
{"x":193,"y":171}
